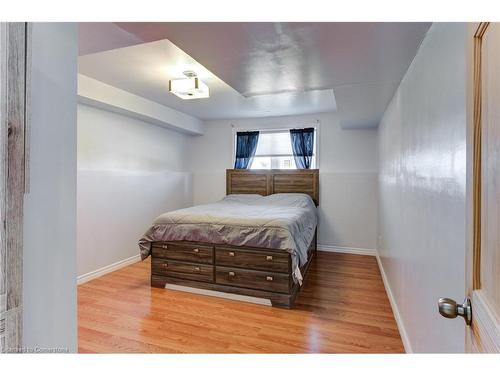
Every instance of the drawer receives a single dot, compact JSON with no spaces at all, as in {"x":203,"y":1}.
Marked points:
{"x":253,"y":259}
{"x":184,"y":251}
{"x":273,"y":282}
{"x":183,"y":270}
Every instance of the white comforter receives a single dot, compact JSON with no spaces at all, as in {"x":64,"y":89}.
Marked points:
{"x":278,"y":221}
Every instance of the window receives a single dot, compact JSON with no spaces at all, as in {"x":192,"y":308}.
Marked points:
{"x":274,"y":150}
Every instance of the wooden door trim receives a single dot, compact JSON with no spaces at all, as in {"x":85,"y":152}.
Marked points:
{"x":12,"y":186}
{"x":477,"y":150}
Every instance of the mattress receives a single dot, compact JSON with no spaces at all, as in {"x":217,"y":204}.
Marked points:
{"x":279,"y":221}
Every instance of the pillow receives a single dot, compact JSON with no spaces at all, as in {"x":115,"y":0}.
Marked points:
{"x":289,"y":199}
{"x":242,"y":198}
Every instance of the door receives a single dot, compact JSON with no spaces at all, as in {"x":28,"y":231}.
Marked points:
{"x":481,"y":309}
{"x":483,"y":258}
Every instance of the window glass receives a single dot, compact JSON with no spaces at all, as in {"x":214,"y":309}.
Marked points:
{"x":274,"y":144}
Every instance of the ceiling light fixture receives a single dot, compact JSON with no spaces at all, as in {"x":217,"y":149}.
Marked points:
{"x":190,"y":87}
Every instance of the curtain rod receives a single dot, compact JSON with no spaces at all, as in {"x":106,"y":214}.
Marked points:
{"x":275,"y":130}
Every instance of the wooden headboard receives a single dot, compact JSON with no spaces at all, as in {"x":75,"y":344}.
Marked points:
{"x":272,"y":181}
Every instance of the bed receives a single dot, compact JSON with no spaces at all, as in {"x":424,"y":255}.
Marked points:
{"x":256,"y":244}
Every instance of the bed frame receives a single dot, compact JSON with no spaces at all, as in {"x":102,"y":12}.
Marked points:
{"x":260,"y":274}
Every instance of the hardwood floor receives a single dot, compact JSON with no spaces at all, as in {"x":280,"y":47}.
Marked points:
{"x":342,"y":308}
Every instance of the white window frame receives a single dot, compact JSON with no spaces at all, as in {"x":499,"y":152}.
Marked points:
{"x":276,"y":128}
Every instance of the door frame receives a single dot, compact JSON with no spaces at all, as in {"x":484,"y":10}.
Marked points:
{"x":14,"y":95}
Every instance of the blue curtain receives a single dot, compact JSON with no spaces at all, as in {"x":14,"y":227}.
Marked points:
{"x":246,"y":145}
{"x":302,"y":146}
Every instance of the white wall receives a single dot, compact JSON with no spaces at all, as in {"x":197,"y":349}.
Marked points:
{"x":422,"y":190}
{"x":129,"y":172}
{"x":49,"y":266}
{"x":348,"y":174}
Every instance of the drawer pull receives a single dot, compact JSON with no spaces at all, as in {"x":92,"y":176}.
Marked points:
{"x":269,"y":257}
{"x":164,"y":265}
{"x":165,"y":247}
{"x":231,"y":253}
{"x":196,"y":250}
{"x":231,"y":274}
{"x":269,"y":278}
{"x":197,"y":269}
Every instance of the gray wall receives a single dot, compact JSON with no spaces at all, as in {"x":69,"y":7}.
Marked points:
{"x":49,"y":282}
{"x":422,"y":165}
{"x":348,"y":174}
{"x":129,"y":172}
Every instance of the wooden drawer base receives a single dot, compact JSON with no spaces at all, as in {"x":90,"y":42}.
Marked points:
{"x":263,"y":273}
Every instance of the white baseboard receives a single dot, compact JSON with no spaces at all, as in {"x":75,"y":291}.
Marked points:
{"x":395,"y":310}
{"x":347,"y":250}
{"x":104,"y":270}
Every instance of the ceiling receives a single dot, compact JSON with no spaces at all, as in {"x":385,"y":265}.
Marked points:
{"x":146,"y":68}
{"x":259,"y":69}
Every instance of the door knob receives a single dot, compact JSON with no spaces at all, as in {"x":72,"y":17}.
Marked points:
{"x":450,"y":309}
